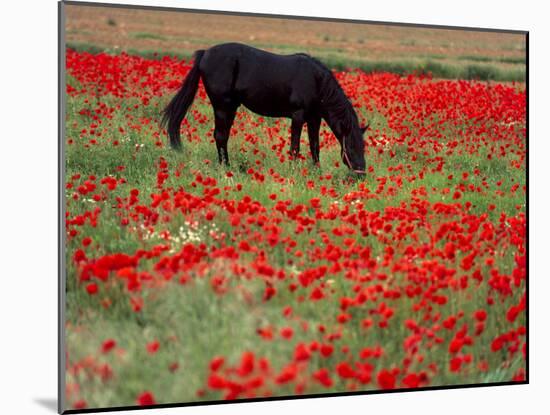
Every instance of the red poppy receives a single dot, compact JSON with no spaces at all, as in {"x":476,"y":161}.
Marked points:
{"x":153,"y":347}
{"x":145,"y":399}
{"x":108,"y":345}
{"x":92,"y":288}
{"x":386,"y":379}
{"x":216,"y":363}
{"x":301,"y":352}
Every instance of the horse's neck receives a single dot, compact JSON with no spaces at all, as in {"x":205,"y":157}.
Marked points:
{"x":339,"y":113}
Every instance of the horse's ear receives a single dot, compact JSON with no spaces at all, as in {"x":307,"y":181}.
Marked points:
{"x":364,"y":128}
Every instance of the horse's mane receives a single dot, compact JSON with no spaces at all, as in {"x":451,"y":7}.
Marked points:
{"x":333,"y":95}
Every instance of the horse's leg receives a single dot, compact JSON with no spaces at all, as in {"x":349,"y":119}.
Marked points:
{"x":313,"y":126}
{"x":223,"y":122}
{"x":295,"y":133}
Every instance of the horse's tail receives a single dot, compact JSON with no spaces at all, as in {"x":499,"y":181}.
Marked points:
{"x":175,"y":111}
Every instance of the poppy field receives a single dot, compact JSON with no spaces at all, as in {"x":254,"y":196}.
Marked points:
{"x":190,"y":281}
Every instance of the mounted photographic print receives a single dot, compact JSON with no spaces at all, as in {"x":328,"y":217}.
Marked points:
{"x":256,"y":207}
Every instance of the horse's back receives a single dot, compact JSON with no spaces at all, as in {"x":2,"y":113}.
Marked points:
{"x":266,"y":83}
{"x":256,"y":62}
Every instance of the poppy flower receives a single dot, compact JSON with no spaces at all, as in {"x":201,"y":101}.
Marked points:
{"x":145,"y":399}
{"x":386,"y":379}
{"x":108,"y":345}
{"x":153,"y":347}
{"x":92,"y":288}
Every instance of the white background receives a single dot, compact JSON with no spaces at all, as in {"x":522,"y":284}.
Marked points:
{"x":28,"y":210}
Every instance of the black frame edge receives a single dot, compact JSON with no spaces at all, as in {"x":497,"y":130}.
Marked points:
{"x":61,"y":50}
{"x":292,"y":397}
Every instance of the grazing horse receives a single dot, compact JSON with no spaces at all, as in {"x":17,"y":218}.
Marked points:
{"x":295,"y":86}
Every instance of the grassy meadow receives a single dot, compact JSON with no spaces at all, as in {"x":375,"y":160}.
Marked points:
{"x":187,"y":280}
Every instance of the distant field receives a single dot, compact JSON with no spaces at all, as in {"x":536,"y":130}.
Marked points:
{"x":445,"y":53}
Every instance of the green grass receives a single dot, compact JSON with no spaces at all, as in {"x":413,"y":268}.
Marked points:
{"x":339,"y":61}
{"x":145,"y":35}
{"x":193,"y":324}
{"x":502,"y":59}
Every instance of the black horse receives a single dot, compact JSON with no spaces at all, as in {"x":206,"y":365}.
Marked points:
{"x":294,"y":86}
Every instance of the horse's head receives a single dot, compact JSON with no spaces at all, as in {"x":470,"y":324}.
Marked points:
{"x":353,"y":149}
